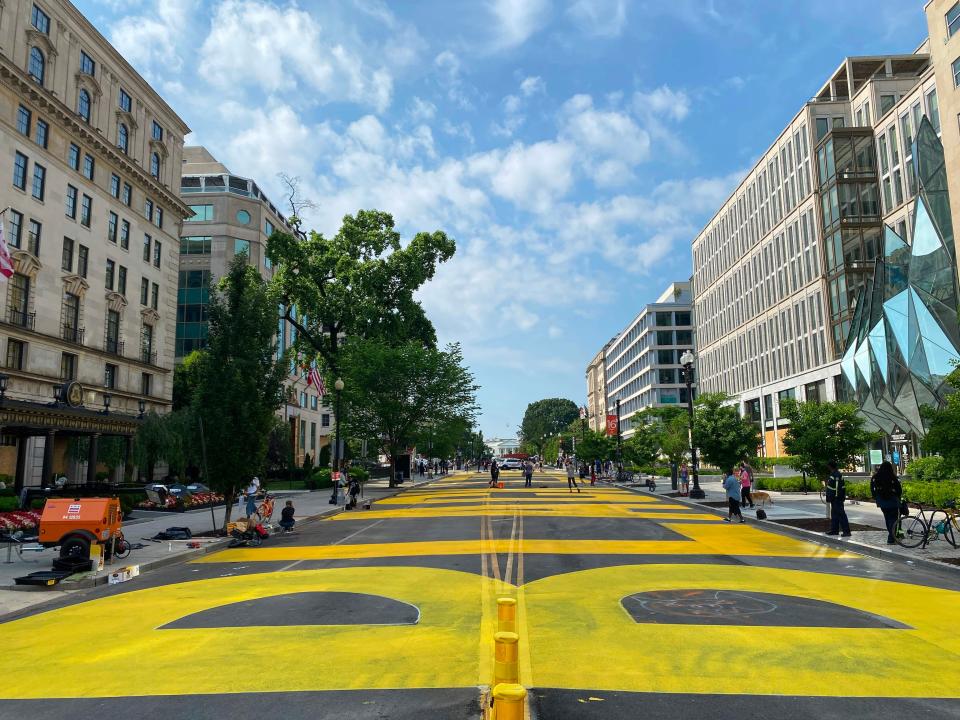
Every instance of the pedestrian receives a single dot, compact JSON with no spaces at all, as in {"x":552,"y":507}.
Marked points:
{"x":732,"y":485}
{"x":583,"y":473}
{"x":886,"y":490}
{"x":746,"y":480}
{"x":528,"y":474}
{"x":354,"y":490}
{"x":252,"y":489}
{"x":571,"y":478}
{"x":684,"y":479}
{"x":593,"y":474}
{"x":836,"y":495}
{"x":494,"y":474}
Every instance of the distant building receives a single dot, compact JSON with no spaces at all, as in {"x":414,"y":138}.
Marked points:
{"x":597,"y":389}
{"x":230,"y":216}
{"x":503,"y":446}
{"x":642,"y":364}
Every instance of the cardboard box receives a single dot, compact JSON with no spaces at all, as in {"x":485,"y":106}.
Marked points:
{"x":124,"y":574}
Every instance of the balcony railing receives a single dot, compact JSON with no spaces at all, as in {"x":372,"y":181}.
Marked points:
{"x":73,"y":334}
{"x":147,"y":356}
{"x":113,"y":345}
{"x":21,"y":318}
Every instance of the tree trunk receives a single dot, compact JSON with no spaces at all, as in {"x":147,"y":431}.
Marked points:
{"x":393,"y":470}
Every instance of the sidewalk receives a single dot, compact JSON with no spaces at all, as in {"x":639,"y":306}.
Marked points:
{"x":145,"y":524}
{"x":797,"y":506}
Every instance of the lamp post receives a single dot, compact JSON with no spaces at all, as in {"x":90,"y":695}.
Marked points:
{"x":687,"y":361}
{"x":107,"y":398}
{"x":619,"y":442}
{"x":141,"y":406}
{"x":338,"y":387}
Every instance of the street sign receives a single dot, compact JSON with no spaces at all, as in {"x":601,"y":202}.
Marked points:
{"x":611,"y":424}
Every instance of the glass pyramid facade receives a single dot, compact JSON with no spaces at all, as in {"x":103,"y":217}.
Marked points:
{"x":905,"y":338}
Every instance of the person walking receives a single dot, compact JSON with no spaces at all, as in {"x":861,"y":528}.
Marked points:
{"x":886,"y":490}
{"x":494,"y":474}
{"x":732,"y":485}
{"x":746,"y":481}
{"x":684,"y":480}
{"x":593,"y":474}
{"x":571,"y":476}
{"x":528,"y":474}
{"x":836,"y":495}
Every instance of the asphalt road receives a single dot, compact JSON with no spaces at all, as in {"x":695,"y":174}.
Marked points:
{"x":628,"y":606}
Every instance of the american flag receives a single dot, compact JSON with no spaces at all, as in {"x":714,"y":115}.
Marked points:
{"x":6,"y":262}
{"x":314,"y":378}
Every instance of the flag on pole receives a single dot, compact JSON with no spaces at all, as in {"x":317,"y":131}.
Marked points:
{"x":6,"y":261}
{"x":314,"y":378}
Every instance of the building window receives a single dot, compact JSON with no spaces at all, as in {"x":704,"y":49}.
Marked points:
{"x":933,"y":110}
{"x":313,"y":436}
{"x":40,"y":20}
{"x":146,"y":343}
{"x":38,"y":64}
{"x":122,"y":281}
{"x":123,"y":139}
{"x":158,"y":218}
{"x":115,"y":185}
{"x":71,"y":317}
{"x":148,"y":209}
{"x":16,"y":228}
{"x":823,"y":127}
{"x":43,"y":131}
{"x":71,"y":205}
{"x":112,"y":340}
{"x":109,"y":376}
{"x":155,"y":296}
{"x":127,"y":197}
{"x":124,"y":101}
{"x":268,"y":228}
{"x":325,"y":420}
{"x":87,"y":65}
{"x":313,"y":402}
{"x":86,"y":208}
{"x":195,"y":245}
{"x":20,"y":171}
{"x":73,"y":156}
{"x":39,"y":180}
{"x":157,"y":131}
{"x":147,"y":244}
{"x":201,"y":213}
{"x":66,"y":262}
{"x":33,"y":238}
{"x":88,"y":166}
{"x":144,"y":291}
{"x":303,"y":399}
{"x":155,"y":165}
{"x":23,"y":121}
{"x":83,"y":105}
{"x":15,"y":353}
{"x":156,"y":253}
{"x":146,"y":383}
{"x":83,"y":254}
{"x":953,"y":19}
{"x":125,"y":234}
{"x":68,"y":366}
{"x":19,"y":300}
{"x":112,"y":228}
{"x":243,"y":217}
{"x":241,"y":246}
{"x":108,"y":283}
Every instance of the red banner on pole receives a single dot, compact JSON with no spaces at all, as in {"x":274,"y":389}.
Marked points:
{"x":611,"y":425}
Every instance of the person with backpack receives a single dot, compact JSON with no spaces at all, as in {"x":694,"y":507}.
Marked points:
{"x":732,"y":485}
{"x":746,"y":480}
{"x":494,"y":474}
{"x":836,"y":495}
{"x":887,"y":491}
{"x":528,"y":474}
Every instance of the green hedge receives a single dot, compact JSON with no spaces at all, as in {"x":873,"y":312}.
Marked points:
{"x":935,"y":494}
{"x":928,"y":469}
{"x":361,"y":474}
{"x":793,"y":483}
{"x":8,"y":503}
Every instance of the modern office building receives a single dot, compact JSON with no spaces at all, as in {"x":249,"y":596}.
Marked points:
{"x":642,"y":364}
{"x":230,"y":215}
{"x":89,"y":161}
{"x":779,"y":269}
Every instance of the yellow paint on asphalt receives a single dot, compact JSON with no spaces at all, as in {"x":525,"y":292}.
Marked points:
{"x":601,"y":511}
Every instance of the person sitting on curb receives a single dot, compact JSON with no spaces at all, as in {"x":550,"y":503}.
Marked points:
{"x":286,"y":517}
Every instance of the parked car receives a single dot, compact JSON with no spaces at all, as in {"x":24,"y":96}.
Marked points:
{"x":510,"y":464}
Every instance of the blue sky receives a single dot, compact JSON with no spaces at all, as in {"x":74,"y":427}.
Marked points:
{"x":572,"y":147}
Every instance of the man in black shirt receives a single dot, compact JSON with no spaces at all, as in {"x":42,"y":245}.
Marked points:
{"x":836,"y":495}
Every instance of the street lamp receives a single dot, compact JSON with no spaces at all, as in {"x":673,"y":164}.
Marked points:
{"x":687,"y":361}
{"x":107,"y":399}
{"x":141,"y":406}
{"x":338,"y":387}
{"x":619,"y":442}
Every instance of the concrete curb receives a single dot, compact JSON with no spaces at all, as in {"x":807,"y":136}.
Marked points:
{"x":872,"y":551}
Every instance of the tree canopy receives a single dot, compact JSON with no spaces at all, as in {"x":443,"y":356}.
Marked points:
{"x":943,"y":424}
{"x":722,"y":436}
{"x":821,"y":432}
{"x":544,"y":418}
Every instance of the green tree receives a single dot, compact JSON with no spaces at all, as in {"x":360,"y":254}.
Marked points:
{"x":821,"y":432}
{"x":358,"y":284}
{"x":672,"y":427}
{"x":152,"y":443}
{"x":240,"y":379}
{"x":185,"y":380}
{"x":594,"y":445}
{"x":642,"y":447}
{"x":722,"y":436}
{"x":943,"y":425}
{"x":544,"y":418}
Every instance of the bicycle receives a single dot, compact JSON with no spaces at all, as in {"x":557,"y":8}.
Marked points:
{"x":919,"y":530}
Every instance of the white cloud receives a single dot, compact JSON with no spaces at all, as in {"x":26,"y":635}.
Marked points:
{"x":673,"y":104}
{"x":532,"y":177}
{"x":532,"y":85}
{"x":517,"y":20}
{"x":603,"y":18}
{"x":150,"y":41}
{"x":286,"y":50}
{"x":458,"y":92}
{"x":421,"y":110}
{"x":611,"y":142}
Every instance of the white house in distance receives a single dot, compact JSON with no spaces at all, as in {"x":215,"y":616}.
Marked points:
{"x":501,"y":447}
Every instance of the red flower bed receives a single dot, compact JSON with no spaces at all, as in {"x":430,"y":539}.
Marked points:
{"x":195,"y":500}
{"x":19,"y":520}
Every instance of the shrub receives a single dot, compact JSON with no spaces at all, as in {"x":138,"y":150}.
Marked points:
{"x":321,"y":479}
{"x":926,"y":469}
{"x":361,"y":474}
{"x":8,"y":503}
{"x":793,"y":483}
{"x":766,"y":463}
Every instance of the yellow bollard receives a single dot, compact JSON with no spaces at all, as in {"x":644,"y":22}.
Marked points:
{"x":508,"y":701}
{"x":506,"y":615}
{"x":505,"y":658}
